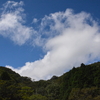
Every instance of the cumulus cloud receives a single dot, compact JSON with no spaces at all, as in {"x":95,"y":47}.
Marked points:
{"x":12,"y":23}
{"x":69,"y":40}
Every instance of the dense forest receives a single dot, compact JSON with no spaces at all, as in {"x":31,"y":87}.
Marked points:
{"x":81,"y":83}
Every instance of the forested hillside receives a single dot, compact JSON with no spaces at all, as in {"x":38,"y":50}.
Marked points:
{"x":81,"y":83}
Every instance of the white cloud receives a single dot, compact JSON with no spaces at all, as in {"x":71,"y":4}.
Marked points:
{"x":69,"y":39}
{"x":12,"y":23}
{"x":35,"y":20}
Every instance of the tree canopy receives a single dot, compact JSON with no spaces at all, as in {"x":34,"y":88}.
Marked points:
{"x":81,"y":83}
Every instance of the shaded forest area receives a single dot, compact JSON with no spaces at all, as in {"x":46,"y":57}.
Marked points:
{"x":81,"y":83}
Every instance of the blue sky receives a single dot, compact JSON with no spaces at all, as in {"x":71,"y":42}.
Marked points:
{"x":42,"y":38}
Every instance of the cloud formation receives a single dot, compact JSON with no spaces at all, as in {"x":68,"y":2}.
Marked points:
{"x":12,"y":23}
{"x":68,"y":38}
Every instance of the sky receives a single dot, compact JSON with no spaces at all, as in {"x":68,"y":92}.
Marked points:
{"x":42,"y":38}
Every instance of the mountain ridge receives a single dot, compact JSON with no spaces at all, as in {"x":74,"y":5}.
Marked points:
{"x":81,"y":83}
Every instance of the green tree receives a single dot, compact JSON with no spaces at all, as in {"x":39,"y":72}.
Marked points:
{"x":53,"y":91}
{"x":5,"y":76}
{"x":25,"y":92}
{"x":38,"y":97}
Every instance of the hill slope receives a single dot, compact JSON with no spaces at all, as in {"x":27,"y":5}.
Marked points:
{"x":81,"y":83}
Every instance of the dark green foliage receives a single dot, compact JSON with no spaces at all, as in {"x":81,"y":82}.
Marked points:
{"x":82,"y":65}
{"x":92,"y":93}
{"x":53,"y":91}
{"x":86,"y":76}
{"x":9,"y":90}
{"x":38,"y":97}
{"x":81,"y":83}
{"x":54,"y":78}
{"x":5,"y":76}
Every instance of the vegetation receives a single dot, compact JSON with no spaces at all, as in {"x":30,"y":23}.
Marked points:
{"x":81,"y":83}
